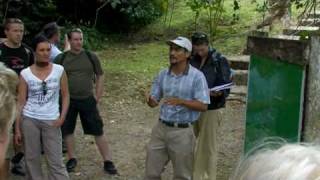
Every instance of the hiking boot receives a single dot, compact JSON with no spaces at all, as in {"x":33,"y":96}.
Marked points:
{"x":17,"y":158}
{"x":71,"y":164}
{"x":17,"y":170}
{"x":110,"y":168}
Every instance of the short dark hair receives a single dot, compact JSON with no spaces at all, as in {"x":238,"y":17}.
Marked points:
{"x":9,"y":21}
{"x":39,"y":38}
{"x":199,"y":38}
{"x":78,"y":30}
{"x":50,"y":29}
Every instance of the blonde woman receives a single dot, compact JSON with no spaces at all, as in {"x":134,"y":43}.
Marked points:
{"x":8,"y":83}
{"x":287,"y":162}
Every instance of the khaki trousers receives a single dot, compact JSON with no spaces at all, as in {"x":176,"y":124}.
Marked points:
{"x":52,"y":145}
{"x":170,"y":144}
{"x":206,"y":151}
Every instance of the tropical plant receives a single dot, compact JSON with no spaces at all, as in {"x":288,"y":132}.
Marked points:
{"x":213,"y":8}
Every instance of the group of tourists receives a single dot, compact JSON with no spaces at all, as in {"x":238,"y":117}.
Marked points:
{"x":56,"y":85}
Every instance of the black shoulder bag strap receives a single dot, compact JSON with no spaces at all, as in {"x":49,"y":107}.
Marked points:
{"x":91,"y":60}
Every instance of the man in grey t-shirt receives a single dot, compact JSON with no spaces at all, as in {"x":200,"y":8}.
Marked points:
{"x":81,"y":66}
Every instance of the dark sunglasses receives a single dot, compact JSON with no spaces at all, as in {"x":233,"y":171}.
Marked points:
{"x":44,"y":88}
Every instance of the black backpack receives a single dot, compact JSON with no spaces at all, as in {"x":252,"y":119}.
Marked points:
{"x":222,"y":65}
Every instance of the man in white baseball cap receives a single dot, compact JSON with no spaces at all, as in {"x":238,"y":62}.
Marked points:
{"x":182,"y":42}
{"x":185,"y":94}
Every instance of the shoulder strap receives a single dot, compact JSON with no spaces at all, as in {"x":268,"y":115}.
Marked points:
{"x":26,"y":48}
{"x":63,"y":56}
{"x":91,"y":60}
{"x":28,"y":51}
{"x":1,"y":46}
{"x":215,"y":55}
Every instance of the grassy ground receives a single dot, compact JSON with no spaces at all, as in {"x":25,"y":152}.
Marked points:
{"x":145,"y":52}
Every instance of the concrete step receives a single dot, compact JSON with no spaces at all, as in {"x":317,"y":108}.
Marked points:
{"x":299,"y":30}
{"x":313,"y":14}
{"x":238,"y":93}
{"x":310,"y":22}
{"x":239,"y":90}
{"x":239,"y":62}
{"x":240,"y":77}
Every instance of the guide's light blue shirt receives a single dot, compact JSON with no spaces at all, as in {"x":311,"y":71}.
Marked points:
{"x":190,"y":85}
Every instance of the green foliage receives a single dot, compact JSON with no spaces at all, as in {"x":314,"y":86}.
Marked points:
{"x":92,"y":38}
{"x":133,"y":14}
{"x":196,"y":6}
{"x":142,"y":13}
{"x":214,"y":8}
{"x":262,"y":8}
{"x":236,"y":11}
{"x":34,"y":13}
{"x":298,"y":3}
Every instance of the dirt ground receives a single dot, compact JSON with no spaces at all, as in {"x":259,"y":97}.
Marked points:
{"x":128,"y":122}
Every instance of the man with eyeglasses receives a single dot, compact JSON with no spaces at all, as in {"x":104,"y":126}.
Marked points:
{"x":184,"y":91}
{"x":216,"y":69}
{"x":16,"y":56}
{"x":82,"y":68}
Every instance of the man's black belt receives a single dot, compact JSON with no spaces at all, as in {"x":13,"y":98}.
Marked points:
{"x":175,"y":124}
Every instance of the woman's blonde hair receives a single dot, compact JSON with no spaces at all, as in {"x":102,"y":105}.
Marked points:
{"x":281,"y":162}
{"x":8,"y":91}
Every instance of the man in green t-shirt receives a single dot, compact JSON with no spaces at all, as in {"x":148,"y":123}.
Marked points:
{"x":82,"y":67}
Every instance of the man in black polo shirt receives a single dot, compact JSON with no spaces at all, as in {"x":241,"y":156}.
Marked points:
{"x":16,"y":56}
{"x":13,"y":53}
{"x":217,"y":72}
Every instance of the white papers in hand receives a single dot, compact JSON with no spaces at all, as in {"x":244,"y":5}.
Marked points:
{"x":222,"y":87}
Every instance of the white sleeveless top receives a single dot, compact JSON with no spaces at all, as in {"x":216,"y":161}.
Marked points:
{"x":43,"y":100}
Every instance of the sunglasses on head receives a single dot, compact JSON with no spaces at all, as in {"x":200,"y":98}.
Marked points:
{"x":13,"y":20}
{"x":76,"y":30}
{"x":44,"y":88}
{"x":199,"y":36}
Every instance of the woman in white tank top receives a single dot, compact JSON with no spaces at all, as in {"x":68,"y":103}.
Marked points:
{"x":38,"y":113}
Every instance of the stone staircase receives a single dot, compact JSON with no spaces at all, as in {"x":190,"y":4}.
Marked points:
{"x":310,"y":24}
{"x":240,"y":65}
{"x":314,"y":14}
